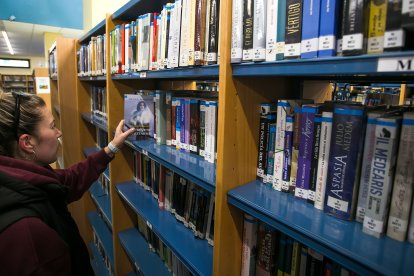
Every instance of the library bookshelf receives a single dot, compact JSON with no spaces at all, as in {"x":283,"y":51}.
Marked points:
{"x":113,"y":216}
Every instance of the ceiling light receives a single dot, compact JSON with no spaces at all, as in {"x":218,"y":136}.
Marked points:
{"x":6,"y":38}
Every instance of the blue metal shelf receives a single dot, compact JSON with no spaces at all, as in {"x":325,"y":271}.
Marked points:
{"x":97,"y":262}
{"x":342,"y":241}
{"x":93,"y":78}
{"x":138,"y":251}
{"x":103,"y":202}
{"x":365,"y":65}
{"x":91,"y":150}
{"x":87,"y":117}
{"x":195,"y":254}
{"x":132,"y":9}
{"x":99,"y":29}
{"x":103,"y":233}
{"x":191,"y":166}
{"x":196,"y":72}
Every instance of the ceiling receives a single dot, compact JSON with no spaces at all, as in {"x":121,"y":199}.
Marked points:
{"x":27,"y":39}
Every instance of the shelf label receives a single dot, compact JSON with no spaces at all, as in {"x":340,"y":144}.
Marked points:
{"x":144,"y":152}
{"x":149,"y":225}
{"x":396,"y":64}
{"x":143,"y":75}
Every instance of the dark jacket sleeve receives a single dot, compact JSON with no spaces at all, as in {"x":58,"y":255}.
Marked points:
{"x":30,"y":247}
{"x":80,"y":176}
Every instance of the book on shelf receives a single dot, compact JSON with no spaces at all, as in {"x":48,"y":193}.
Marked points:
{"x":266,"y":250}
{"x":381,"y":175}
{"x":249,"y":244}
{"x":248,"y":13}
{"x":267,"y":117}
{"x":344,"y":160}
{"x":237,"y":33}
{"x":329,"y":27}
{"x":311,"y":16}
{"x":404,"y":177}
{"x":376,"y":26}
{"x":355,"y":15}
{"x":293,"y":33}
{"x":395,"y":35}
{"x":259,"y":30}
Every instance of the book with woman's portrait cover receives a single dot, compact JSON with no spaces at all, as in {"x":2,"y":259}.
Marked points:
{"x":139,"y":113}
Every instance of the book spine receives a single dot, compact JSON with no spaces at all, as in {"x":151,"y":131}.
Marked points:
{"x":178,"y":123}
{"x":305,"y":152}
{"x":185,"y":13}
{"x":271,"y":153}
{"x":282,"y":105}
{"x":171,"y":33}
{"x":281,"y":254}
{"x":411,"y":226}
{"x":259,"y":30}
{"x":310,"y":28}
{"x":376,"y":27}
{"x":213,"y":32}
{"x":323,"y":158}
{"x":344,"y":159}
{"x":271,"y":29}
{"x":354,"y":27}
{"x":381,"y":175}
{"x":200,"y":21}
{"x":295,"y":265}
{"x":314,"y":159}
{"x":287,"y":154}
{"x":202,"y":127}
{"x":248,"y":30}
{"x":191,"y":34}
{"x":237,"y":31}
{"x":176,"y":35}
{"x":211,"y":154}
{"x":328,"y":27}
{"x":366,"y":166}
{"x":187,"y":120}
{"x":207,"y":31}
{"x":293,"y":29}
{"x":207,"y":143}
{"x":161,"y":118}
{"x":266,"y":241}
{"x":263,"y":137}
{"x":404,"y":177}
{"x":394,"y":36}
{"x":407,"y":14}
{"x":281,"y":23}
{"x":295,"y":149}
{"x":248,"y":262}
{"x":303,"y":260}
{"x":194,"y":125}
{"x":168,"y":120}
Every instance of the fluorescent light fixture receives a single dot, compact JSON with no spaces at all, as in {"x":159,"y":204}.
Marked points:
{"x":6,"y":38}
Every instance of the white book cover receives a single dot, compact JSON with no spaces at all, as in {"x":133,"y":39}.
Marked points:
{"x":207,"y":29}
{"x":282,"y":106}
{"x":381,"y":175}
{"x":207,"y":142}
{"x":185,"y":15}
{"x":145,"y":42}
{"x":259,"y":30}
{"x":366,"y":165}
{"x":175,"y":57}
{"x":159,"y":36}
{"x":163,"y":33}
{"x":271,"y":29}
{"x":191,"y":32}
{"x":323,"y":159}
{"x":126,"y":45}
{"x":402,"y":193}
{"x":237,"y":31}
{"x":171,"y":35}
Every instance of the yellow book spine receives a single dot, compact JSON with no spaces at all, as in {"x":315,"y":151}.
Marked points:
{"x":376,"y":27}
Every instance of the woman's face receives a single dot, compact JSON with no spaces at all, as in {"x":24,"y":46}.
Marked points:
{"x":46,"y":142}
{"x":141,"y":106}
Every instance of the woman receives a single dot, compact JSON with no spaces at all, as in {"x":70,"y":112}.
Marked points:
{"x":37,"y":233}
{"x":142,"y":119}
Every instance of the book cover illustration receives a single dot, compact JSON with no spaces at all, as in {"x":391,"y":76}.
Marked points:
{"x":139,"y":113}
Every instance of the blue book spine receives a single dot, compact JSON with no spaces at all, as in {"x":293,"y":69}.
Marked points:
{"x":328,"y":27}
{"x":310,"y":28}
{"x":281,"y":24}
{"x":287,"y":156}
{"x":305,"y":151}
{"x":343,"y":168}
{"x":182,"y":124}
{"x":271,"y":153}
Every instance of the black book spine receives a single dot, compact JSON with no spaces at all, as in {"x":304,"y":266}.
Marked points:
{"x":394,"y":38}
{"x":354,"y":27}
{"x":213,"y":35}
{"x":248,"y":30}
{"x":293,"y":28}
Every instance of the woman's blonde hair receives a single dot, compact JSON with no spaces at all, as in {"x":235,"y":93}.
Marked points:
{"x":30,"y":116}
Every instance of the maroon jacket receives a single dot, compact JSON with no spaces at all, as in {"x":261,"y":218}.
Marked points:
{"x":30,"y":246}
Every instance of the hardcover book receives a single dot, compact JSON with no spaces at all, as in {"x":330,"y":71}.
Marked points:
{"x":293,"y":29}
{"x":310,"y":28}
{"x":344,"y":160}
{"x":139,"y":113}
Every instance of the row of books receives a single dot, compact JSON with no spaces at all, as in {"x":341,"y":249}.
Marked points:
{"x":99,"y":245}
{"x":339,"y":156}
{"x":184,"y":33}
{"x":368,"y":95}
{"x":269,"y":30}
{"x":266,"y":251}
{"x":185,"y":120}
{"x":101,"y":138}
{"x":99,"y":105}
{"x":91,"y":58}
{"x":173,"y":264}
{"x":189,"y":203}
